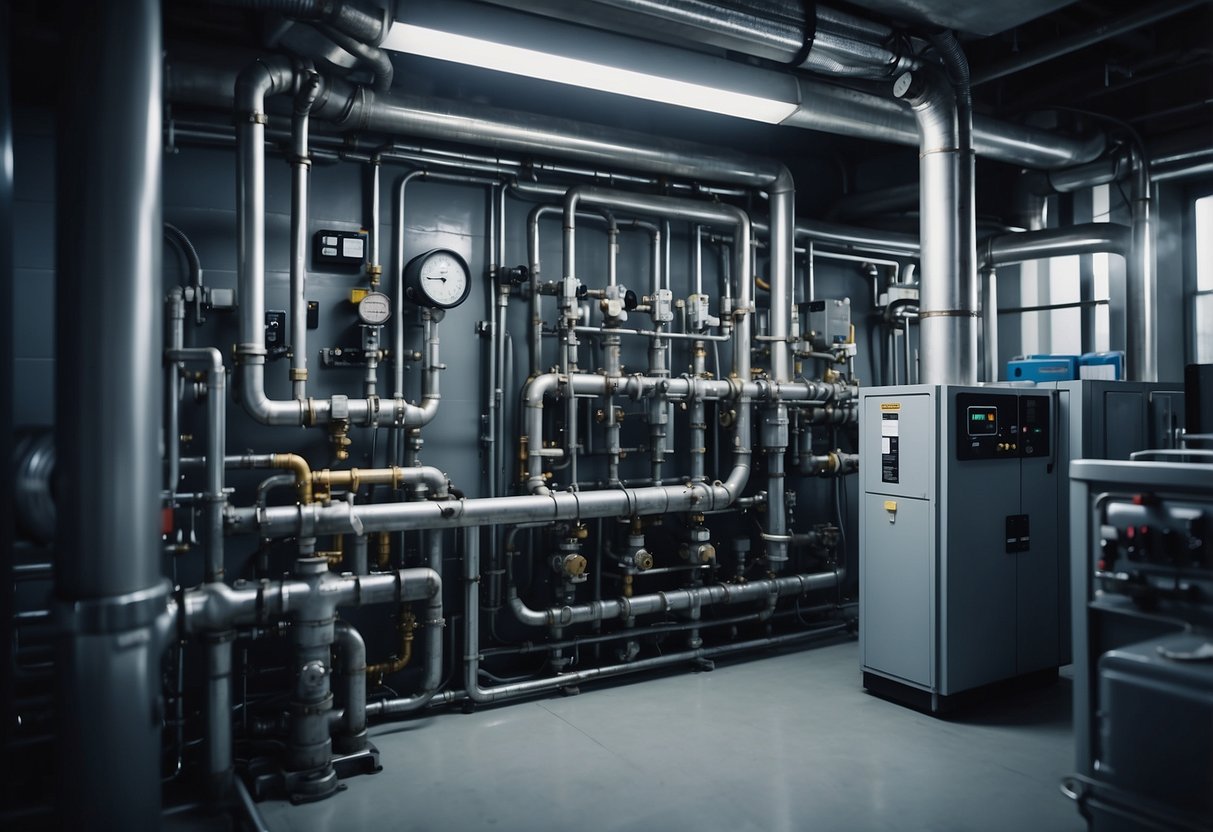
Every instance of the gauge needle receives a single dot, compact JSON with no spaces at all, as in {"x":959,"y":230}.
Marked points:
{"x":431,"y":277}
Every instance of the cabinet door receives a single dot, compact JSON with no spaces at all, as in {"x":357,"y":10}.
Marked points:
{"x":1043,"y":635}
{"x":897,"y":595}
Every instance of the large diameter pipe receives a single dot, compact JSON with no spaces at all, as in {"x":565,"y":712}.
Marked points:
{"x":108,"y":348}
{"x":948,"y":294}
{"x":1086,"y":238}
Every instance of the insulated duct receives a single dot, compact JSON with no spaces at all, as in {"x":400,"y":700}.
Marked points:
{"x":825,"y":107}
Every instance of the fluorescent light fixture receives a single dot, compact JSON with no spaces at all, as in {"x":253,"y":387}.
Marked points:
{"x":609,"y":77}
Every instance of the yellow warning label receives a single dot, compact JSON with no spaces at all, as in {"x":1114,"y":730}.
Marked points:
{"x":890,"y":405}
{"x":890,"y":505}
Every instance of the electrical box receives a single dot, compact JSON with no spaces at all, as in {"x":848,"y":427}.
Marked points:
{"x":339,"y":248}
{"x":959,"y":553}
{"x":829,"y":322}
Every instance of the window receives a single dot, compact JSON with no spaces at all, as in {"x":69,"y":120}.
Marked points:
{"x":1202,"y":306}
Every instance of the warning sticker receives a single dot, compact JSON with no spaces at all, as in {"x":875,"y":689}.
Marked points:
{"x":890,"y":429}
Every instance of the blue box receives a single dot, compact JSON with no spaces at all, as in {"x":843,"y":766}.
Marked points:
{"x":1043,"y":368}
{"x":1109,"y":365}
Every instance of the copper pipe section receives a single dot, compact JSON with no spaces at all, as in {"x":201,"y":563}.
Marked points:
{"x":408,"y":624}
{"x":302,"y":471}
{"x":385,"y":550}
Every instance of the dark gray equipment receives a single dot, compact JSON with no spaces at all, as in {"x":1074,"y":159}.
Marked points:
{"x":959,"y":554}
{"x":1105,"y":419}
{"x":1143,"y":641}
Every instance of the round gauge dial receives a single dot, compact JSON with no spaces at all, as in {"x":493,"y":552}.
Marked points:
{"x":375,"y":309}
{"x":437,"y":278}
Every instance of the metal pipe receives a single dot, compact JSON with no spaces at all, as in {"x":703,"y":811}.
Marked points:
{"x":301,"y":164}
{"x":471,"y":648}
{"x":1087,"y":238}
{"x":1145,"y":16}
{"x":108,"y":580}
{"x":677,"y":600}
{"x":1141,"y":280}
{"x":216,"y":442}
{"x":349,"y":668}
{"x":989,"y":321}
{"x":172,"y":438}
{"x":220,"y":768}
{"x":948,"y":299}
{"x":433,"y":625}
{"x":270,"y":76}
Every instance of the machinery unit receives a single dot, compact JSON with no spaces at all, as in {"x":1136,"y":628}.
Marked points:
{"x":959,"y":555}
{"x":1143,"y":641}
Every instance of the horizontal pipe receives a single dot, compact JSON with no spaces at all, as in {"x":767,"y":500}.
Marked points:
{"x":825,"y":107}
{"x":673,"y":600}
{"x":1087,"y":238}
{"x":217,"y":607}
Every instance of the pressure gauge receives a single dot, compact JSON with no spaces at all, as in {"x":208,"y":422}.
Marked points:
{"x":437,"y":278}
{"x":375,"y":309}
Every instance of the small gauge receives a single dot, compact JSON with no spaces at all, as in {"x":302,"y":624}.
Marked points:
{"x":375,"y":309}
{"x":437,"y":278}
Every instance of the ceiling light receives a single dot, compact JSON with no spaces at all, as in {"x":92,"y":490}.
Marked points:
{"x":600,"y":61}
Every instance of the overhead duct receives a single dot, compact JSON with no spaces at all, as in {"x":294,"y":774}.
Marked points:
{"x":822,"y":106}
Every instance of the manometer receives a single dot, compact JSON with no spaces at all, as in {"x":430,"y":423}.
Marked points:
{"x":437,"y":278}
{"x":375,"y":309}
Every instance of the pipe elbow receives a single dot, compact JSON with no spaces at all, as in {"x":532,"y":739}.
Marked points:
{"x":298,"y":466}
{"x":538,"y":388}
{"x":526,"y":615}
{"x":782,"y":183}
{"x":265,"y":76}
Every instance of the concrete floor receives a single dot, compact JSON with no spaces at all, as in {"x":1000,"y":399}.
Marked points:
{"x":782,"y":742}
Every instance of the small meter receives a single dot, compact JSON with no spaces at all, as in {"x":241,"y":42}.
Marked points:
{"x":375,"y":309}
{"x":437,"y":278}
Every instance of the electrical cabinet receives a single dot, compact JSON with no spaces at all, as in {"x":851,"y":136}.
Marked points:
{"x":959,"y":549}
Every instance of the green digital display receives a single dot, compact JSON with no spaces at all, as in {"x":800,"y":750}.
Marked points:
{"x":983,"y":421}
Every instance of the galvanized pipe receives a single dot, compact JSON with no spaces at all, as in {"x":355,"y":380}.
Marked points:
{"x":471,"y":642}
{"x":1086,"y":238}
{"x":1141,"y":280}
{"x":349,"y":668}
{"x":301,"y":164}
{"x":675,"y":600}
{"x":432,"y":625}
{"x":216,"y":442}
{"x":948,"y":295}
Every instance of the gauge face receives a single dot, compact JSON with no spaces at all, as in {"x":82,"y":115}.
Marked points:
{"x":437,"y":278}
{"x":375,"y":309}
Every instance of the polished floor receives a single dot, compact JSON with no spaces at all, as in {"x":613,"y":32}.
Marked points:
{"x":783,"y":742}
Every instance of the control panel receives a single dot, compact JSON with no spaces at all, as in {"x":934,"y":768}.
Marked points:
{"x":1002,"y":426}
{"x":338,"y":248}
{"x":1155,"y":549}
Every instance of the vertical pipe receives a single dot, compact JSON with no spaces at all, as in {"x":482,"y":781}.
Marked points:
{"x":491,"y":384}
{"x":349,"y":668}
{"x":989,"y":308}
{"x":948,"y":307}
{"x":219,"y":765}
{"x":108,"y":577}
{"x":172,"y":433}
{"x":1141,"y":338}
{"x":783,"y":225}
{"x":300,"y":165}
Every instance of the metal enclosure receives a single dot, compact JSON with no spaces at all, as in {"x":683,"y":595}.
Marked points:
{"x":1104,"y":419}
{"x":1142,"y":598}
{"x":959,"y":550}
